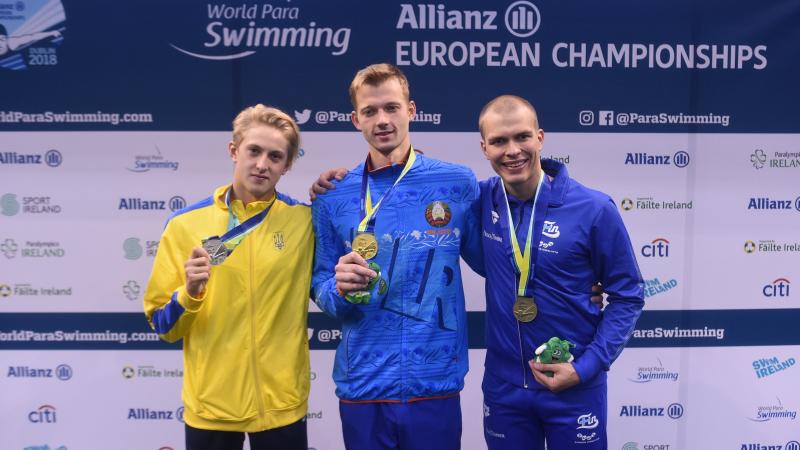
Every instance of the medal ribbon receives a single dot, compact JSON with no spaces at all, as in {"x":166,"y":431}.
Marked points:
{"x":522,"y":260}
{"x":237,"y":231}
{"x":368,"y":212}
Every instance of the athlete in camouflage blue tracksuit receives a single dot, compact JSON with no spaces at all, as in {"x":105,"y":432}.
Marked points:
{"x":401,"y":363}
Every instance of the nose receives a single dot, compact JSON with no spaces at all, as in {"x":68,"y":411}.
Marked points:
{"x":383,"y":118}
{"x":513,"y":149}
{"x":261,"y":163}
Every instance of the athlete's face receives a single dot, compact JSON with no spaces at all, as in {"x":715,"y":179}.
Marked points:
{"x":260,"y":159}
{"x":383,"y":115}
{"x":512,"y":142}
{"x":3,"y":44}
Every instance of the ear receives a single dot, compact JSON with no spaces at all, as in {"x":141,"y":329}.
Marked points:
{"x":354,"y":119}
{"x":540,"y":136}
{"x":483,"y":148}
{"x":412,"y":109}
{"x":232,"y":151}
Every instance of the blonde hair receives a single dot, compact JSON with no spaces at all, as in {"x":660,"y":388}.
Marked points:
{"x":505,"y":104}
{"x":376,"y":74}
{"x":271,"y":117}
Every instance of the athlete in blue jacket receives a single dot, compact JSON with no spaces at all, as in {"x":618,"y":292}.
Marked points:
{"x":401,"y":363}
{"x":567,"y":237}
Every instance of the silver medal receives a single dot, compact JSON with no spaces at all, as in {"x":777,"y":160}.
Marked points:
{"x":216,"y":250}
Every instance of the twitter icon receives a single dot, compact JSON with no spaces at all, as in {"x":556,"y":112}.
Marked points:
{"x":302,"y":117}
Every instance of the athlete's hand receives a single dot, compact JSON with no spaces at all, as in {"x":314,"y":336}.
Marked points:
{"x":352,"y":273}
{"x":597,"y":295}
{"x":323,"y":183}
{"x":564,"y":375}
{"x":198,"y":271}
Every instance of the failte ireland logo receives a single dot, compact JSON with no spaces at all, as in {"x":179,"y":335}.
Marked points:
{"x":234,"y":32}
{"x":30,"y":34}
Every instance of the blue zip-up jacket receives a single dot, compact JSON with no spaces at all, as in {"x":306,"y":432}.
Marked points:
{"x":582,"y":240}
{"x":410,"y":342}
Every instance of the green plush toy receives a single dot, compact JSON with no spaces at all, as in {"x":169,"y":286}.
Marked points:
{"x":363,"y":297}
{"x":554,"y":351}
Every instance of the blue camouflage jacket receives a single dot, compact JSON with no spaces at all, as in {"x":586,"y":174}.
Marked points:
{"x":411,"y":341}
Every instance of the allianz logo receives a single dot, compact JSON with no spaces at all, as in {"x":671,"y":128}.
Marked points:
{"x":139,"y":204}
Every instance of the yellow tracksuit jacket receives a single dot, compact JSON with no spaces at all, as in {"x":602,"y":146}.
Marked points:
{"x":245,"y":342}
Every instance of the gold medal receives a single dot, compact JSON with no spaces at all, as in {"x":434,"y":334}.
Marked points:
{"x":365,"y":245}
{"x":525,"y":309}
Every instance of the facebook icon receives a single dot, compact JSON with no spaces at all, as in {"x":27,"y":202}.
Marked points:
{"x":606,"y":118}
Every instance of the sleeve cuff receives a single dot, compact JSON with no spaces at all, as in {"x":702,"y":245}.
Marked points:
{"x":188,"y":302}
{"x":587,"y":366}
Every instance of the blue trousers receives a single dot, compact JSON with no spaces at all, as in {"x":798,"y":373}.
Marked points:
{"x":515,"y":418}
{"x":421,"y":425}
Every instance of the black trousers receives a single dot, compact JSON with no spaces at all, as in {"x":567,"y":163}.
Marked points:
{"x":291,"y":437}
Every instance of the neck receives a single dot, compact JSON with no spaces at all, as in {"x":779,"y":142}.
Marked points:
{"x":239,"y":193}
{"x":524,"y":191}
{"x":396,"y":156}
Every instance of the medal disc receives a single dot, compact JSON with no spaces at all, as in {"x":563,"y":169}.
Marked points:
{"x":525,"y":309}
{"x":216,"y":250}
{"x":365,"y":245}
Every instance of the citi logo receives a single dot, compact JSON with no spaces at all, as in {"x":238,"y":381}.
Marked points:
{"x":679,"y":159}
{"x":51,"y":158}
{"x":44,"y":414}
{"x":673,"y":411}
{"x":762,"y":203}
{"x":139,"y":204}
{"x":778,"y":288}
{"x":658,"y":248}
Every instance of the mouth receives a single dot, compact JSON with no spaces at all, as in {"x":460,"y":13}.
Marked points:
{"x":516,"y":164}
{"x":260,"y":178}
{"x":384,"y":134}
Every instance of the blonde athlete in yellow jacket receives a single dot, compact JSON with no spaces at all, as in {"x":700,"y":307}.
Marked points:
{"x":239,"y":301}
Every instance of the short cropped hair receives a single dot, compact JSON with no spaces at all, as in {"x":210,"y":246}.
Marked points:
{"x":376,"y":74}
{"x":507,"y":103}
{"x":271,"y":117}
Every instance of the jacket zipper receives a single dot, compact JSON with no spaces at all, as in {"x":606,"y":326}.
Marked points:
{"x":519,"y":329}
{"x":254,"y":352}
{"x":522,"y":357}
